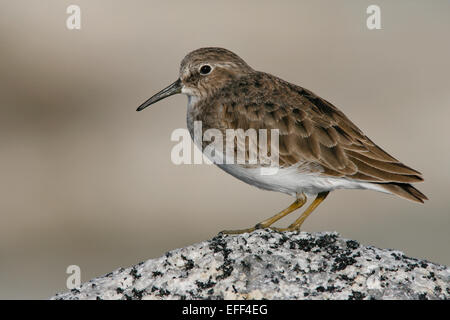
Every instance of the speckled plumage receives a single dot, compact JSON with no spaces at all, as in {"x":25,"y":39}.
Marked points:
{"x":312,"y":130}
{"x":320,"y":149}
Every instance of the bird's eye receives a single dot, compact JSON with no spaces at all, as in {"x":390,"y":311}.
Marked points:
{"x":205,"y":69}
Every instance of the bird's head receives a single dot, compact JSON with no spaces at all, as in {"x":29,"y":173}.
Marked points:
{"x":203,"y":72}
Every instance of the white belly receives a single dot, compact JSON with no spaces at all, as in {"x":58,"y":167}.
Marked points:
{"x":292,"y":181}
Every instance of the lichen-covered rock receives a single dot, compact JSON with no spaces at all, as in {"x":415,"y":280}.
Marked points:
{"x":267,"y":264}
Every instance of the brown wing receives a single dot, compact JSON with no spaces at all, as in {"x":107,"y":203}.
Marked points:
{"x":343,"y":150}
{"x":312,"y":131}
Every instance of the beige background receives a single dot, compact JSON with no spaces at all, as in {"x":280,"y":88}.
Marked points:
{"x":86,"y":180}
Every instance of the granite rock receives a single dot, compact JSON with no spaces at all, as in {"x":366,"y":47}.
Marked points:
{"x":267,"y":264}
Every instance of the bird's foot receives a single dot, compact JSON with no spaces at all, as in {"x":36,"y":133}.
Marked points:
{"x":289,"y":229}
{"x":248,"y":230}
{"x":259,"y":226}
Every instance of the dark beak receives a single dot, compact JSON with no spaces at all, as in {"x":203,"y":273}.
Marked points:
{"x":174,"y":88}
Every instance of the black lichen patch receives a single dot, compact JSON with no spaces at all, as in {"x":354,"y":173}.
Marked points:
{"x":135,"y":294}
{"x":323,"y":243}
{"x":431,"y":276}
{"x":341,"y":262}
{"x":303,"y":244}
{"x":246,"y":266}
{"x":344,"y":277}
{"x":326,"y":241}
{"x":219,"y":245}
{"x":283,"y":239}
{"x":396,"y":256}
{"x":423,"y":296}
{"x":134,"y":273}
{"x":138,"y":294}
{"x":161,"y":292}
{"x":352,"y":244}
{"x":227,"y":268}
{"x":320,"y":289}
{"x":411,"y":266}
{"x":189,"y":265}
{"x":205,"y":285}
{"x":265,"y":237}
{"x":326,"y":289}
{"x":342,"y":258}
{"x":331,"y":289}
{"x":356,"y":295}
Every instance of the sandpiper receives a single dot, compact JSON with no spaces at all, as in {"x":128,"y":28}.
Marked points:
{"x":320,"y":149}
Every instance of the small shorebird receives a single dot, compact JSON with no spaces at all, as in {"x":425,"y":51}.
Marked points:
{"x":320,"y":149}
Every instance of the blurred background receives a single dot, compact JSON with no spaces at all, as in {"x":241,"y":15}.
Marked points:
{"x":86,"y":180}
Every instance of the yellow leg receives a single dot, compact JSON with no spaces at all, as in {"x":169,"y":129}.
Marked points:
{"x":300,"y":201}
{"x":297,"y":223}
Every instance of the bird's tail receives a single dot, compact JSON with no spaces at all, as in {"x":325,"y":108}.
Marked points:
{"x":404,"y":190}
